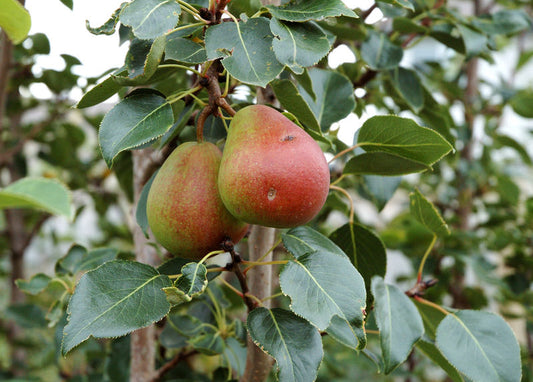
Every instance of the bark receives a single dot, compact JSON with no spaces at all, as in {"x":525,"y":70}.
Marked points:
{"x":258,"y":363}
{"x":143,"y":344}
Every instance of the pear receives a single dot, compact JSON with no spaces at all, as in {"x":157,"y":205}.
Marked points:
{"x":184,"y":209}
{"x":272,"y":172}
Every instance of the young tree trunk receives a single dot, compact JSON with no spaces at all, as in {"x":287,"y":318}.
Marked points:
{"x":143,"y":343}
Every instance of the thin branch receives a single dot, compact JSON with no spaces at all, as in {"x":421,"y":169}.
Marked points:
{"x":171,"y":364}
{"x":235,"y":268}
{"x":36,"y":228}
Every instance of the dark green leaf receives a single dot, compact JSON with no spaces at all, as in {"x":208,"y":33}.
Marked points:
{"x":431,"y":351}
{"x":406,"y":25}
{"x":68,"y":3}
{"x":400,"y":3}
{"x":142,"y":60}
{"x":380,"y":189}
{"x":480,"y":345}
{"x":365,"y":249}
{"x":379,"y":163}
{"x":136,"y":120}
{"x":311,"y":281}
{"x":379,"y":52}
{"x":508,"y":190}
{"x":108,"y":28}
{"x":333,"y":99}
{"x":245,"y":49}
{"x":184,"y":50}
{"x":35,"y":285}
{"x":27,"y":316}
{"x":298,"y":45}
{"x":431,"y":318}
{"x":99,"y":93}
{"x":403,"y":137}
{"x":310,"y":10}
{"x":41,"y":194}
{"x":291,"y":99}
{"x":151,"y":18}
{"x":400,"y":325}
{"x":521,"y":103}
{"x":117,"y":362}
{"x":505,"y":140}
{"x":248,"y":7}
{"x":474,"y":41}
{"x":425,"y":212}
{"x":293,"y":342}
{"x":140,"y":212}
{"x":113,"y":300}
{"x":408,"y":86}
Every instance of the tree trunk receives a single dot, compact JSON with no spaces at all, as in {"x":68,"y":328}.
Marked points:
{"x":143,"y":344}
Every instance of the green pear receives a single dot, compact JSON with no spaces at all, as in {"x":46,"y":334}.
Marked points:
{"x":272,"y":172}
{"x":184,"y":209}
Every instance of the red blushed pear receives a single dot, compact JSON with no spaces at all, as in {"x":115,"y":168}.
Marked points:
{"x":185,"y":211}
{"x":272,"y":172}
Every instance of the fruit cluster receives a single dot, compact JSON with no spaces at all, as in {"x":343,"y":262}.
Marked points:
{"x":271,"y":173}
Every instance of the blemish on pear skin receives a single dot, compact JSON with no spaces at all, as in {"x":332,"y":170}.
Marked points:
{"x":287,"y":138}
{"x":271,"y":194}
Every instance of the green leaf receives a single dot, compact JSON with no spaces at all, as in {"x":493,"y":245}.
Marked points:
{"x":298,"y":45}
{"x":102,"y":91}
{"x":380,"y":189}
{"x":364,"y":248}
{"x":425,"y":212}
{"x":78,"y":259}
{"x":379,"y":163}
{"x":400,"y":325}
{"x":248,"y":7}
{"x":292,"y":100}
{"x":480,"y":345}
{"x":117,"y":361}
{"x":27,"y":316}
{"x":431,"y":318}
{"x":521,"y":103}
{"x":508,"y":190}
{"x":474,"y":41}
{"x":406,"y":25}
{"x":35,"y":285}
{"x":505,"y":140}
{"x":506,"y":21}
{"x":310,"y":10}
{"x":311,"y":281}
{"x":192,"y":282}
{"x":379,"y":52}
{"x":184,"y":50}
{"x":294,"y":343}
{"x":245,"y":49}
{"x":431,"y":351}
{"x":151,"y":18}
{"x":42,"y":194}
{"x":108,"y":28}
{"x":333,"y":99}
{"x":14,"y":20}
{"x":140,"y":212}
{"x":68,"y":3}
{"x":403,"y":137}
{"x":113,"y":300}
{"x":136,"y":120}
{"x":142,"y":60}
{"x":400,"y":3}
{"x":408,"y":86}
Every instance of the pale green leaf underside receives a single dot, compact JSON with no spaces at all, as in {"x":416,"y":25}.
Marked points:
{"x":481,"y":345}
{"x":193,"y":279}
{"x":113,"y":300}
{"x":293,"y":342}
{"x":14,"y":20}
{"x":400,"y":324}
{"x":246,"y":50}
{"x":426,"y":213}
{"x":37,"y":193}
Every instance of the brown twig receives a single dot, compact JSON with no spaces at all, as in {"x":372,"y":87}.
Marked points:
{"x":159,"y":373}
{"x":234,"y":267}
